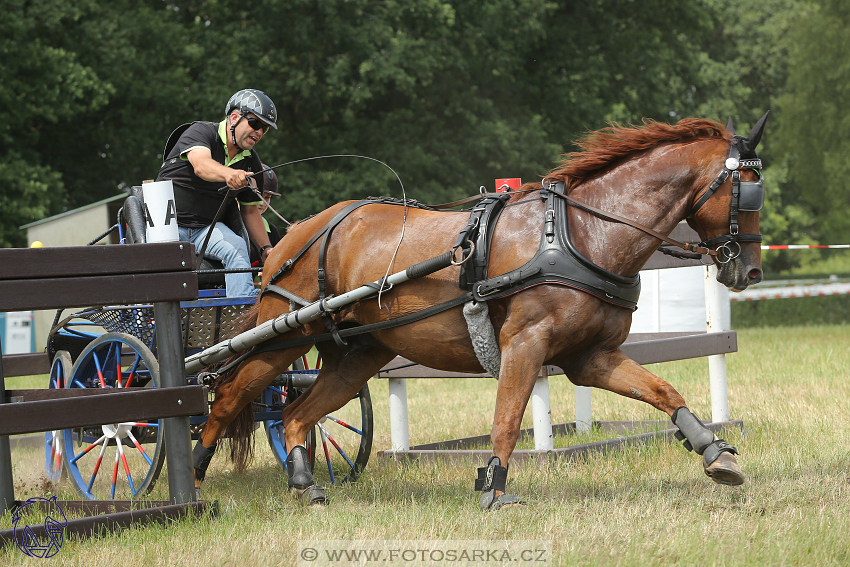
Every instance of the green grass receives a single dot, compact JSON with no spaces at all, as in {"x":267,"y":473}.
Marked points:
{"x":649,"y":505}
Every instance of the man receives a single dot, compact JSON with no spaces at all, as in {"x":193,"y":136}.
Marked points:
{"x":207,"y":156}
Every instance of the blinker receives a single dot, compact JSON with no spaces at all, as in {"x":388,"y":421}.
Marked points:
{"x":751,"y":197}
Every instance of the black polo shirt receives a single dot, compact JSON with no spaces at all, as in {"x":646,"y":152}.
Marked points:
{"x":198,"y":200}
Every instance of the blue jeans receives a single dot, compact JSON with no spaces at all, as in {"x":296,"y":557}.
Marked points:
{"x":228,"y":247}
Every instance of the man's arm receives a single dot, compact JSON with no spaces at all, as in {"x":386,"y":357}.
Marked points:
{"x":256,"y":229}
{"x":210,"y":170}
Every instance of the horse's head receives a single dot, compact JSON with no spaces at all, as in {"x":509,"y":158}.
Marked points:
{"x":726,"y":214}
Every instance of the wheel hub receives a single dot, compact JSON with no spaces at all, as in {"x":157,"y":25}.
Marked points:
{"x":113,"y":430}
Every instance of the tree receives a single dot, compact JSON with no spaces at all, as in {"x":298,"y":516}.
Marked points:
{"x":813,"y":126}
{"x":41,"y":85}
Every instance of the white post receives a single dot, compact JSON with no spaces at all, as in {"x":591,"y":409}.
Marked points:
{"x":656,"y":300}
{"x":716,"y":362}
{"x":542,"y":415}
{"x":584,"y":417}
{"x":399,"y":429}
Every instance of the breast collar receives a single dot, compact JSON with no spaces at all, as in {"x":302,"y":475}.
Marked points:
{"x":558,"y":262}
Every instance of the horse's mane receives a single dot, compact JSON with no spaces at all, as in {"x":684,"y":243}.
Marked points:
{"x":602,"y":148}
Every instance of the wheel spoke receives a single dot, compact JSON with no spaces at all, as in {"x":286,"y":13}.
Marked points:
{"x":139,"y":447}
{"x":133,"y":370}
{"x":342,"y":423}
{"x":89,"y":448}
{"x":334,"y":443}
{"x":115,"y":473}
{"x":327,"y":455}
{"x":99,"y":370}
{"x":126,"y":466}
{"x":97,"y":465}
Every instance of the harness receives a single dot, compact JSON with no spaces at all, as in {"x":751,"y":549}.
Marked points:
{"x":557,"y":261}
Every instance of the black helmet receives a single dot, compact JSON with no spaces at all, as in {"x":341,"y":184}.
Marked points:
{"x":256,"y":102}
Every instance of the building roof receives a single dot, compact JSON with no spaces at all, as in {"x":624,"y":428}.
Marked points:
{"x":74,"y":211}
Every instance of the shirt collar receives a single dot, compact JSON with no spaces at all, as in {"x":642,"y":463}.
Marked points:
{"x":223,"y":132}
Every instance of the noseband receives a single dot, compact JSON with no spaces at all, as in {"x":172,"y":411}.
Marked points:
{"x":746,"y":196}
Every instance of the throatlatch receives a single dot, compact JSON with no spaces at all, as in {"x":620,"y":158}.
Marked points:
{"x":696,"y":437}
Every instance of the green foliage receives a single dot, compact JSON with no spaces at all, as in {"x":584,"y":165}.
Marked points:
{"x":41,"y":85}
{"x":828,"y":310}
{"x":450,"y":94}
{"x":813,"y":131}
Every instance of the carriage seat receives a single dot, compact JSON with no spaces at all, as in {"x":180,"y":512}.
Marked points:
{"x":136,"y":230}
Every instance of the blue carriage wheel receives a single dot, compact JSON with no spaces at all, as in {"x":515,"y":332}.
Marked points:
{"x":339,"y":446}
{"x":114,"y":460}
{"x":60,"y":371}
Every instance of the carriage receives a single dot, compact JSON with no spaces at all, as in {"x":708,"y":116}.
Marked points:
{"x":115,"y":347}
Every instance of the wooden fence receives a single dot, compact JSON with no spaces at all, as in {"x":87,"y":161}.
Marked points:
{"x":63,"y":277}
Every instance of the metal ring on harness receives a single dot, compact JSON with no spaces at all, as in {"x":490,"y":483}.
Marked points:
{"x":468,"y":256}
{"x":725,"y":251}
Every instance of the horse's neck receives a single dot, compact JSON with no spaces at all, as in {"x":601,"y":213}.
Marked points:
{"x":652,"y":190}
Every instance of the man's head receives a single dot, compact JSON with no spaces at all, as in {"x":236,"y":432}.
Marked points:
{"x":250,"y":113}
{"x":253,"y":102}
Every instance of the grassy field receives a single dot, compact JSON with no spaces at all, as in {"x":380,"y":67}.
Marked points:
{"x":650,"y":505}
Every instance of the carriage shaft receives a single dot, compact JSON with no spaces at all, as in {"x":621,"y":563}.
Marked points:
{"x":285,"y":323}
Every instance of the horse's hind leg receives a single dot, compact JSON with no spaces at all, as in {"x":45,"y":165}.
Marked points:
{"x":615,"y":372}
{"x":233,"y":402}
{"x":343,"y":374}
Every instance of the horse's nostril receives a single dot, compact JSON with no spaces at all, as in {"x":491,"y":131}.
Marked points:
{"x":755,"y":275}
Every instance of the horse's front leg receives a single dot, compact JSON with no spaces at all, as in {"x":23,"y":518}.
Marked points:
{"x":614,"y":371}
{"x":520,"y":366}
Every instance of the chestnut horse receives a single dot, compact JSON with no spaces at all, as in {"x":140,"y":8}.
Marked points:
{"x":652,"y":175}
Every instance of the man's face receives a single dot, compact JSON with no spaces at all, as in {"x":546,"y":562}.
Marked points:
{"x":249,"y":130}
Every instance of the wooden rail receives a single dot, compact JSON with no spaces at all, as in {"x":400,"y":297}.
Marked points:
{"x":84,"y":276}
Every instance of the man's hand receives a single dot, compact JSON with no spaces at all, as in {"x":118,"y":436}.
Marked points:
{"x":265,"y":254}
{"x":236,"y":178}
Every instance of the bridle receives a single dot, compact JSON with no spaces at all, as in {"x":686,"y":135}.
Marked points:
{"x":746,"y":196}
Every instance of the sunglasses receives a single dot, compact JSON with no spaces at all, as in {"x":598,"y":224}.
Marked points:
{"x":257,"y":124}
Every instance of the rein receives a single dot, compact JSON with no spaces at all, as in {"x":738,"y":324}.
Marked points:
{"x":687,"y":246}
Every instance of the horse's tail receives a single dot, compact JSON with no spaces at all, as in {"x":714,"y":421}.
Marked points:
{"x":240,"y":431}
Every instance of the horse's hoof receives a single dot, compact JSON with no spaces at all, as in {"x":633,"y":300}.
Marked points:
{"x":725,"y":470}
{"x":313,"y":495}
{"x":490,"y":503}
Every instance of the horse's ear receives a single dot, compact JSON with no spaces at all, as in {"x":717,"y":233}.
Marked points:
{"x":755,"y":134}
{"x":730,"y":127}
